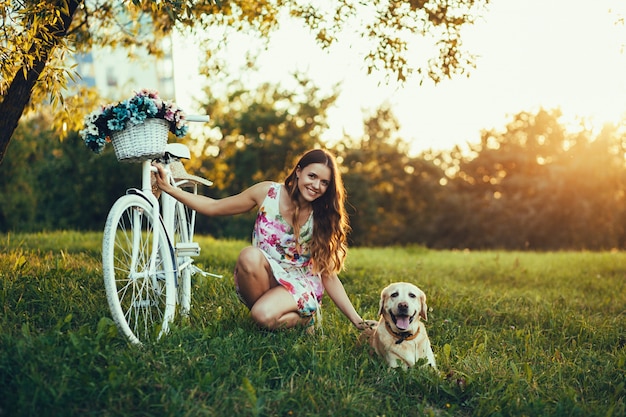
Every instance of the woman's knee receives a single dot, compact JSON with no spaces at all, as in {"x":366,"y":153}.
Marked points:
{"x":275,"y":310}
{"x":263,"y":316}
{"x":250,"y":260}
{"x":271,"y":320}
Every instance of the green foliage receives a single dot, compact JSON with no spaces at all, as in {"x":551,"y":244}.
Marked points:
{"x":65,"y":186}
{"x":32,"y":30}
{"x":537,"y":186}
{"x":514,"y":334}
{"x":36,"y":38}
{"x":392,"y":196}
{"x":533,"y":186}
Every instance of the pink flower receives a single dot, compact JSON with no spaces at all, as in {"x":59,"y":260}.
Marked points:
{"x":273,"y":240}
{"x":287,"y":285}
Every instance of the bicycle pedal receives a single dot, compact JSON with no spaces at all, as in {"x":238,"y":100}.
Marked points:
{"x":187,"y":249}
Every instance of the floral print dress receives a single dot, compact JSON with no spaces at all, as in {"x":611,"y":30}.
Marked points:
{"x":275,"y":237}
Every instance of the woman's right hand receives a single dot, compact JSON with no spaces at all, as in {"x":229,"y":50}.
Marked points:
{"x":161,"y":177}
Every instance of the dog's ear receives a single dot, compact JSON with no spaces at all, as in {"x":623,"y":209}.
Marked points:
{"x":381,"y":305}
{"x":424,"y":310}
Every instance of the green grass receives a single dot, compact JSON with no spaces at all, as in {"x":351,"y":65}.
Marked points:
{"x":514,"y":334}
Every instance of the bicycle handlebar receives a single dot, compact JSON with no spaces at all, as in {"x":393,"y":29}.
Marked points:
{"x":197,"y":118}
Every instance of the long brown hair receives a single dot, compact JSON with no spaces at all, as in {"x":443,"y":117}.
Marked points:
{"x":330,"y":220}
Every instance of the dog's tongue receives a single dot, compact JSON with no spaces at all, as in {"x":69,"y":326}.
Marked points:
{"x":402,"y":322}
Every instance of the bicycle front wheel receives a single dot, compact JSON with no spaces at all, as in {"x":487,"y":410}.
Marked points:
{"x":138,"y":270}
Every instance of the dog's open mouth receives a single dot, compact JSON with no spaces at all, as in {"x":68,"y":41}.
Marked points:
{"x":402,"y":321}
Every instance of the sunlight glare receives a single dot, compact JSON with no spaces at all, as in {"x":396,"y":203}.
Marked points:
{"x":532,"y":54}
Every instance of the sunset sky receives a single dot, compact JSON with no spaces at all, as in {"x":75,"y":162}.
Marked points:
{"x":532,"y":54}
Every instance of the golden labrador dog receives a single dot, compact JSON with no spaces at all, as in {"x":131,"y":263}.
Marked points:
{"x":400,"y":336}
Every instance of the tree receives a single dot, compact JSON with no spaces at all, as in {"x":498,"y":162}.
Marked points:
{"x":261,"y":135}
{"x":37,"y":35}
{"x":392,"y":197}
{"x":537,"y":186}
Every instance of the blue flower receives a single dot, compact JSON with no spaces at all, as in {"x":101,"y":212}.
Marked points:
{"x":151,"y":108}
{"x":95,"y":143}
{"x":136,"y":115}
{"x":120,"y":114}
{"x":180,"y":132}
{"x":115,"y":125}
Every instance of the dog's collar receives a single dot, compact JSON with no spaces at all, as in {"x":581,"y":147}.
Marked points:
{"x":402,"y":336}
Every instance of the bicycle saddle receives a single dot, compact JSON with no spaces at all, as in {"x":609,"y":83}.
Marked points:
{"x":178,"y":150}
{"x":180,"y":173}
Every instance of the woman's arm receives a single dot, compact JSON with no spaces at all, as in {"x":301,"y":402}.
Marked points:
{"x":236,"y":204}
{"x":337,"y":293}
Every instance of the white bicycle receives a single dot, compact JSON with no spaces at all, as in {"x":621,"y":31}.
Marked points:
{"x":148,"y":250}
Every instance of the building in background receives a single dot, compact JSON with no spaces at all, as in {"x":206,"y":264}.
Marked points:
{"x":116,"y":75}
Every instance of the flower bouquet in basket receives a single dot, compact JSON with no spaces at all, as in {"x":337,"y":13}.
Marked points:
{"x":137,"y":127}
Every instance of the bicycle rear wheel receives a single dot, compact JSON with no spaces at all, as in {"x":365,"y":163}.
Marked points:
{"x":138,"y":276}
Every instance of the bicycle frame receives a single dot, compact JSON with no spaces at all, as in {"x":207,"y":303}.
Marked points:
{"x":148,"y":251}
{"x":165,"y":209}
{"x":146,"y":193}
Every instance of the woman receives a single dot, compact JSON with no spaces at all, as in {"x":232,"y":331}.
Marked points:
{"x":298,"y":242}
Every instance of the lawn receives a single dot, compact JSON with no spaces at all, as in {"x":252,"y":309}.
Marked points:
{"x":514,"y":334}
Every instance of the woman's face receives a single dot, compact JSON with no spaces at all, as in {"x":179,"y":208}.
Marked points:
{"x":313,"y":181}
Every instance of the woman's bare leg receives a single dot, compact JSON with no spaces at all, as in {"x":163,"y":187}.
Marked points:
{"x":254,"y":275}
{"x":271,"y":306}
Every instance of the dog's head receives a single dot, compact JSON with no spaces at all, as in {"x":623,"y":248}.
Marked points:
{"x":401,"y":304}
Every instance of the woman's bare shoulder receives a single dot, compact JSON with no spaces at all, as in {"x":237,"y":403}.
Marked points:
{"x":259,"y":191}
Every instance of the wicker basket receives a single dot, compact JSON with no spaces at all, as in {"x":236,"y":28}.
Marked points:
{"x":141,"y":142}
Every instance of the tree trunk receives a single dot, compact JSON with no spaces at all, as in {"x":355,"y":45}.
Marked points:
{"x":20,"y":90}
